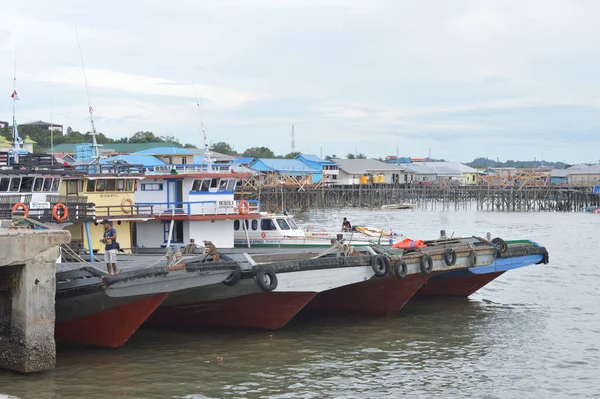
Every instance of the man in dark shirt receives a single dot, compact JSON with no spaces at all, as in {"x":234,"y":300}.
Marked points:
{"x":110,"y":246}
{"x":346,"y":226}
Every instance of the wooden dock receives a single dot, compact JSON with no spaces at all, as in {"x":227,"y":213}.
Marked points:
{"x":526,"y":199}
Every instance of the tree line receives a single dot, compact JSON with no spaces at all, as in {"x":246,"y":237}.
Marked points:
{"x":264,"y":152}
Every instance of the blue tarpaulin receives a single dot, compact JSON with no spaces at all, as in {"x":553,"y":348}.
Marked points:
{"x":596,"y":189}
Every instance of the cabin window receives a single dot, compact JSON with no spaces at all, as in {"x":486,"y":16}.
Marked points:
{"x":236,"y":225}
{"x":120,"y":185}
{"x":71,"y":187}
{"x":48,"y":185}
{"x":100,"y":185}
{"x":254,"y":224}
{"x":292,"y":224}
{"x":214,"y":183}
{"x":15,"y":183}
{"x":205,"y":185}
{"x":4,"y":183}
{"x":38,"y":184}
{"x":283,"y":224}
{"x":131,"y":185}
{"x":183,"y":160}
{"x":110,"y":185}
{"x":90,"y":186}
{"x":55,"y":184}
{"x":231,"y":185}
{"x":267,"y":224}
{"x":26,"y":184}
{"x":223,"y":185}
{"x":196,"y":185}
{"x":152,"y":187}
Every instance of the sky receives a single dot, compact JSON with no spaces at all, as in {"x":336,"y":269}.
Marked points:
{"x":456,"y":80}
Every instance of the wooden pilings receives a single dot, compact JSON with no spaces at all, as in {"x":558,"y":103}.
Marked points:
{"x":277,"y":199}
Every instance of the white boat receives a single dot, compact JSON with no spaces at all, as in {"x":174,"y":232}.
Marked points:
{"x":401,"y":205}
{"x":281,"y":231}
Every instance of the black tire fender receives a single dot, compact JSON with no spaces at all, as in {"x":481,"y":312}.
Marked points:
{"x":400,"y":269}
{"x":426,"y":264}
{"x":234,"y":277}
{"x":450,"y":256}
{"x":266,"y":279}
{"x":501,"y":244}
{"x":380,"y":266}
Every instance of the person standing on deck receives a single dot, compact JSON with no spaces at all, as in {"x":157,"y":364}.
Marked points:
{"x":110,"y":246}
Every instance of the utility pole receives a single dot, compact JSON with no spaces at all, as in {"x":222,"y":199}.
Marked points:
{"x":293,"y":140}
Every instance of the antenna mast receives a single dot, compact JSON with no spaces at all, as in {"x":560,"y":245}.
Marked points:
{"x":17,"y":143}
{"x":206,"y":149}
{"x":95,"y":145}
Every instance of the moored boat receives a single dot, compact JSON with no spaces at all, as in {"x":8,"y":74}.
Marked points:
{"x":462,"y":283}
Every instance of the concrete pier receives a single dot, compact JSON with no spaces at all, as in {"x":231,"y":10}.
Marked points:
{"x":27,"y":293}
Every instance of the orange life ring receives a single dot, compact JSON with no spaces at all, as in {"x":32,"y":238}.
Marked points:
{"x":126,"y":205}
{"x":21,"y":205}
{"x":65,"y":212}
{"x":243,"y":207}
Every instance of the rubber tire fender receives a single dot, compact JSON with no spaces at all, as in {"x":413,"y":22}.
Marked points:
{"x":261,"y":275}
{"x":380,"y":266}
{"x":234,"y":277}
{"x":450,"y":256}
{"x":426,"y":264}
{"x":400,"y":269}
{"x":501,"y":244}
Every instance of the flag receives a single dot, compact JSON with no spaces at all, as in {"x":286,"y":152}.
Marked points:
{"x":14,"y":96}
{"x":91,"y":110}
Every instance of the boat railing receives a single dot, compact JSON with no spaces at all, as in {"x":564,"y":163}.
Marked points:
{"x":125,"y":211}
{"x":49,"y":210}
{"x":203,"y":208}
{"x":190,"y":168}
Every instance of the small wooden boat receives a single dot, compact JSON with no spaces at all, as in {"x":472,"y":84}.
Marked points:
{"x":401,"y":205}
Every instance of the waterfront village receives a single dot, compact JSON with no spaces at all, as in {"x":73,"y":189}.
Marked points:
{"x":309,"y":170}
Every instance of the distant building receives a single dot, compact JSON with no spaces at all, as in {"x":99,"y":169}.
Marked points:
{"x":45,"y":125}
{"x":329,"y":169}
{"x":371,"y":171}
{"x":3,"y":124}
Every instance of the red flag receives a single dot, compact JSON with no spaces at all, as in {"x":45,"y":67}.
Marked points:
{"x":91,"y":109}
{"x":14,"y":96}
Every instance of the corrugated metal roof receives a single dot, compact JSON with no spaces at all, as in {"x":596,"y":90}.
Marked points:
{"x":420,"y":169}
{"x":146,"y":160}
{"x":280,"y":165}
{"x":358,"y":166}
{"x":243,"y":160}
{"x":121,"y":147}
{"x":314,"y":158}
{"x":167,"y":151}
{"x":449,"y":167}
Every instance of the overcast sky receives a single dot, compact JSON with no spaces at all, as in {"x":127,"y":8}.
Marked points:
{"x":500,"y":79}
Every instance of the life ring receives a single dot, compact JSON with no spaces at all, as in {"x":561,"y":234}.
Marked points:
{"x":63,"y":210}
{"x":22,"y":206}
{"x":426,"y":264}
{"x":266,"y":279}
{"x":379,"y":265}
{"x":234,"y":277}
{"x":263,"y":235}
{"x":243,"y":207}
{"x":400,"y":269}
{"x":126,"y":205}
{"x":472,"y":259}
{"x":450,"y":256}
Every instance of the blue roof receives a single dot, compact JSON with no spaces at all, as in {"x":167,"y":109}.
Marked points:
{"x":166,"y":151}
{"x":281,"y":165}
{"x":314,"y":158}
{"x":146,"y":160}
{"x":243,"y":160}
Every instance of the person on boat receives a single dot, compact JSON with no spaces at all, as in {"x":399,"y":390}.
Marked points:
{"x":346,"y":226}
{"x":110,"y":246}
{"x":191,"y":247}
{"x":443,"y":235}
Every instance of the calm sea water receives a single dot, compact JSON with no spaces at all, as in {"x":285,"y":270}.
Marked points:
{"x":532,"y":333}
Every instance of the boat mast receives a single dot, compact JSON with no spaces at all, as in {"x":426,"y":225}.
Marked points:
{"x":95,"y":146}
{"x":17,"y":143}
{"x":206,"y":149}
